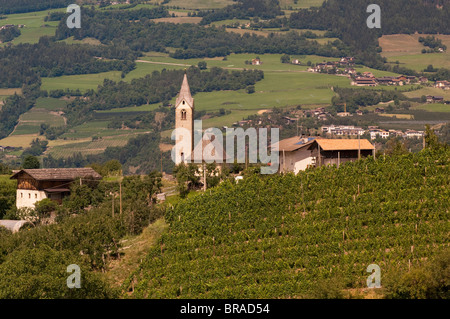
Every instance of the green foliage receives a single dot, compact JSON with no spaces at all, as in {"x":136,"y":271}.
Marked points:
{"x":285,"y":58}
{"x":8,"y":34}
{"x":110,"y":168}
{"x":41,"y":273}
{"x":202,"y":65}
{"x":430,"y":281}
{"x":266,"y":9}
{"x":278,"y":236}
{"x":24,"y":63}
{"x":19,"y":6}
{"x":44,"y":207}
{"x":187,"y":178}
{"x":395,"y":147}
{"x":7,"y":194}
{"x":31,"y":162}
{"x":36,"y":148}
{"x":431,"y":139}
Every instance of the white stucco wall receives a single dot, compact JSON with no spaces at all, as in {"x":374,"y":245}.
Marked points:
{"x":27,"y":198}
{"x":296,"y":161}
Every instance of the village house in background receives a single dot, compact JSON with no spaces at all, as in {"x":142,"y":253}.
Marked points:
{"x":34,"y":185}
{"x":299,"y":153}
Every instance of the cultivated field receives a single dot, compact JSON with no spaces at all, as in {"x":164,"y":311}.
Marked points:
{"x":407,"y":50}
{"x":429,"y":91}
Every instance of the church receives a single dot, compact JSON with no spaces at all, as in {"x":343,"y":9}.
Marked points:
{"x":185,"y":130}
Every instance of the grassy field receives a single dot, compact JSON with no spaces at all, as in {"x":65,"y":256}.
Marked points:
{"x":428,"y":91}
{"x":35,"y":26}
{"x":45,"y":111}
{"x":407,"y":50}
{"x":50,"y":104}
{"x":82,"y":82}
{"x":435,"y":107}
{"x":87,"y":82}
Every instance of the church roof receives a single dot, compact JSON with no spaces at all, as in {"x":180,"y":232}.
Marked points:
{"x":185,"y":93}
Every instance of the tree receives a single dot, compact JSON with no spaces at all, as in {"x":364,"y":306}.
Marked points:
{"x":250,"y":89}
{"x":202,"y":65}
{"x":431,"y":140}
{"x":44,"y":207}
{"x":31,"y":162}
{"x":395,"y":147}
{"x":285,"y":58}
{"x":187,"y":178}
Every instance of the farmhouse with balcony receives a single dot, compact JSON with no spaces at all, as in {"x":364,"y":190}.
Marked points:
{"x":34,"y":185}
{"x":299,"y":153}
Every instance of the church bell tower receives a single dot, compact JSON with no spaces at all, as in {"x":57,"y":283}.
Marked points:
{"x":184,"y":118}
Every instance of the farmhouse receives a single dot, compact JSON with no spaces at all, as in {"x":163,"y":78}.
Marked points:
{"x":256,"y":61}
{"x":445,"y":85}
{"x":34,"y":185}
{"x":297,"y":153}
{"x":360,"y":81}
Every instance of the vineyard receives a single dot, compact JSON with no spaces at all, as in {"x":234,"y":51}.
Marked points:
{"x":278,"y":236}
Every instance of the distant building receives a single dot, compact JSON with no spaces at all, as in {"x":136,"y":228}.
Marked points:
{"x":414,"y":134}
{"x":377,"y":132}
{"x":364,"y":81}
{"x":445,"y":85}
{"x":34,"y":185}
{"x":343,"y":130}
{"x":256,"y":61}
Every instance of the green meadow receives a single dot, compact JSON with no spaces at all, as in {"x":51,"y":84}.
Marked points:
{"x":419,"y":62}
{"x":35,"y":26}
{"x":434,"y":107}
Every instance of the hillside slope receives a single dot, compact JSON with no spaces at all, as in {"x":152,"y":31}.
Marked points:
{"x":279,"y":236}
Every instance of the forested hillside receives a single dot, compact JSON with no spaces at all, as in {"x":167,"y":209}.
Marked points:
{"x":347,"y":19}
{"x":306,"y":235}
{"x":192,"y":41}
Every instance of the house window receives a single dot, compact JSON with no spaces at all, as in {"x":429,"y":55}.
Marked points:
{"x":182,"y":156}
{"x":35,"y":196}
{"x":29,"y":195}
{"x":21,"y":195}
{"x":183,"y":114}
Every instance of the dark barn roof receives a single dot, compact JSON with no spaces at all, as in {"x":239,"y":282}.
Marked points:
{"x":58,"y":174}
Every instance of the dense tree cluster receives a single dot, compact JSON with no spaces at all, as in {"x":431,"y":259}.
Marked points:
{"x":355,"y":98}
{"x":347,"y":18}
{"x":191,"y":40}
{"x":16,"y":105}
{"x":25,"y":62}
{"x":266,"y":9}
{"x":19,"y":6}
{"x":8,"y":34}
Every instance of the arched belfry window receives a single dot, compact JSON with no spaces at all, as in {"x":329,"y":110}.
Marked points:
{"x":184,"y":102}
{"x":183,"y":114}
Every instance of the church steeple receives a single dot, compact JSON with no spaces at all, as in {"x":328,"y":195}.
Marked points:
{"x":185,"y":93}
{"x":184,"y":119}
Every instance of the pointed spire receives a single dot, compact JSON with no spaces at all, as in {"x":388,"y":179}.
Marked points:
{"x":185,"y":92}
